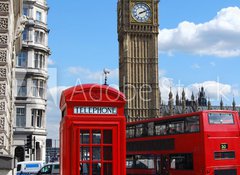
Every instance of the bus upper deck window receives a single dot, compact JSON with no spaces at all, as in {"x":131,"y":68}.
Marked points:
{"x":220,"y":118}
{"x":192,"y":124}
{"x":130,"y":132}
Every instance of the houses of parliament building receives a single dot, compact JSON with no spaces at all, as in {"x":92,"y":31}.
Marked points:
{"x":180,"y":104}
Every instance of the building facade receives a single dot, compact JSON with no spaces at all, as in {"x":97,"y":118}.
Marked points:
{"x":138,"y":57}
{"x":31,"y":81}
{"x":11,"y":25}
{"x":198,"y":102}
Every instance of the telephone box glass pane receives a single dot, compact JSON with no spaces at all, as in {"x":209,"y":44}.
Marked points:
{"x":107,"y":136}
{"x":84,"y":137}
{"x":84,"y":169}
{"x":84,"y":154}
{"x":107,"y":150}
{"x":96,"y":137}
{"x":107,"y":168}
{"x":96,"y":153}
{"x":96,"y":169}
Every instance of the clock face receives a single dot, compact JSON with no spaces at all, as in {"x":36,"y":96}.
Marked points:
{"x":141,"y":12}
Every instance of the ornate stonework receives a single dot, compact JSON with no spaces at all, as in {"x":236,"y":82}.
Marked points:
{"x":4,"y":7}
{"x":138,"y":60}
{"x":3,"y":72}
{"x":10,"y":12}
{"x":2,"y":123}
{"x":3,"y":39}
{"x":1,"y":141}
{"x":3,"y":23}
{"x":3,"y":56}
{"x":2,"y":106}
{"x":2,"y":89}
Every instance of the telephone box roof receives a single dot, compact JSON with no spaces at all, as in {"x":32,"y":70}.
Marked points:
{"x":92,"y":93}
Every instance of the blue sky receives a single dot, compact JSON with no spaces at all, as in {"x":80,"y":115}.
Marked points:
{"x":199,"y":45}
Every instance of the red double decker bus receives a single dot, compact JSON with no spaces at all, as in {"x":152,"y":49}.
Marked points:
{"x":200,"y":143}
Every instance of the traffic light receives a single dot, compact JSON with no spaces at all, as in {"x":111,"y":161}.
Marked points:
{"x":28,"y":145}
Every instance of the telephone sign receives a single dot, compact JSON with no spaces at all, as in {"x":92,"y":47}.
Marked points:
{"x":94,"y":110}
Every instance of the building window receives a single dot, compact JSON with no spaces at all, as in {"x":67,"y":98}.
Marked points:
{"x":25,"y":11}
{"x":41,"y":88}
{"x":37,"y":117}
{"x":38,"y":16}
{"x":20,"y":117}
{"x":39,"y":37}
{"x":22,"y":59}
{"x":39,"y":61}
{"x":34,"y":87}
{"x":25,"y":35}
{"x":21,"y":88}
{"x":38,"y":88}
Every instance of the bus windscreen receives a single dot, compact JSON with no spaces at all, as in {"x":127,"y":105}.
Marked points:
{"x":220,"y":118}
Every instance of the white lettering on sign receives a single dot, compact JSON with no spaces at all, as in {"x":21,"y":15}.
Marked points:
{"x":94,"y":110}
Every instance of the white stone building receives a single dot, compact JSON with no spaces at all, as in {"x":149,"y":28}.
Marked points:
{"x":31,"y":82}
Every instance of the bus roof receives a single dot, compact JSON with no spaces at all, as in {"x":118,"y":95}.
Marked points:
{"x":179,"y":116}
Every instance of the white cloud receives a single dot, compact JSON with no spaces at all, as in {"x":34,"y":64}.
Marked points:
{"x":219,"y":37}
{"x":165,"y":84}
{"x":213,"y":64}
{"x":50,"y":61}
{"x":214,"y":90}
{"x":195,"y":66}
{"x":84,"y":74}
{"x":162,"y":72}
{"x":54,"y":94}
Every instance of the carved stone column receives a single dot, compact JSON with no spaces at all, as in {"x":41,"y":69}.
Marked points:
{"x":10,"y":11}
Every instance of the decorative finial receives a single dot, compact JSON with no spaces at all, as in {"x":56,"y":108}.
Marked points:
{"x":221,"y":104}
{"x":183,"y":95}
{"x":177,"y":99}
{"x":170,"y":102}
{"x":192,"y":97}
{"x":209,"y":104}
{"x":106,"y":72}
{"x":234,"y":104}
{"x":170,"y":93}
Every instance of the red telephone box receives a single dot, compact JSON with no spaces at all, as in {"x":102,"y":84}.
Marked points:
{"x":92,"y":131}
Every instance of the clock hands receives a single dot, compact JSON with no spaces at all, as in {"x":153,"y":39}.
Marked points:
{"x":142,"y":12}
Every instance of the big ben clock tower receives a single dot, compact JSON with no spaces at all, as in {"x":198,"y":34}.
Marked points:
{"x":138,"y":57}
